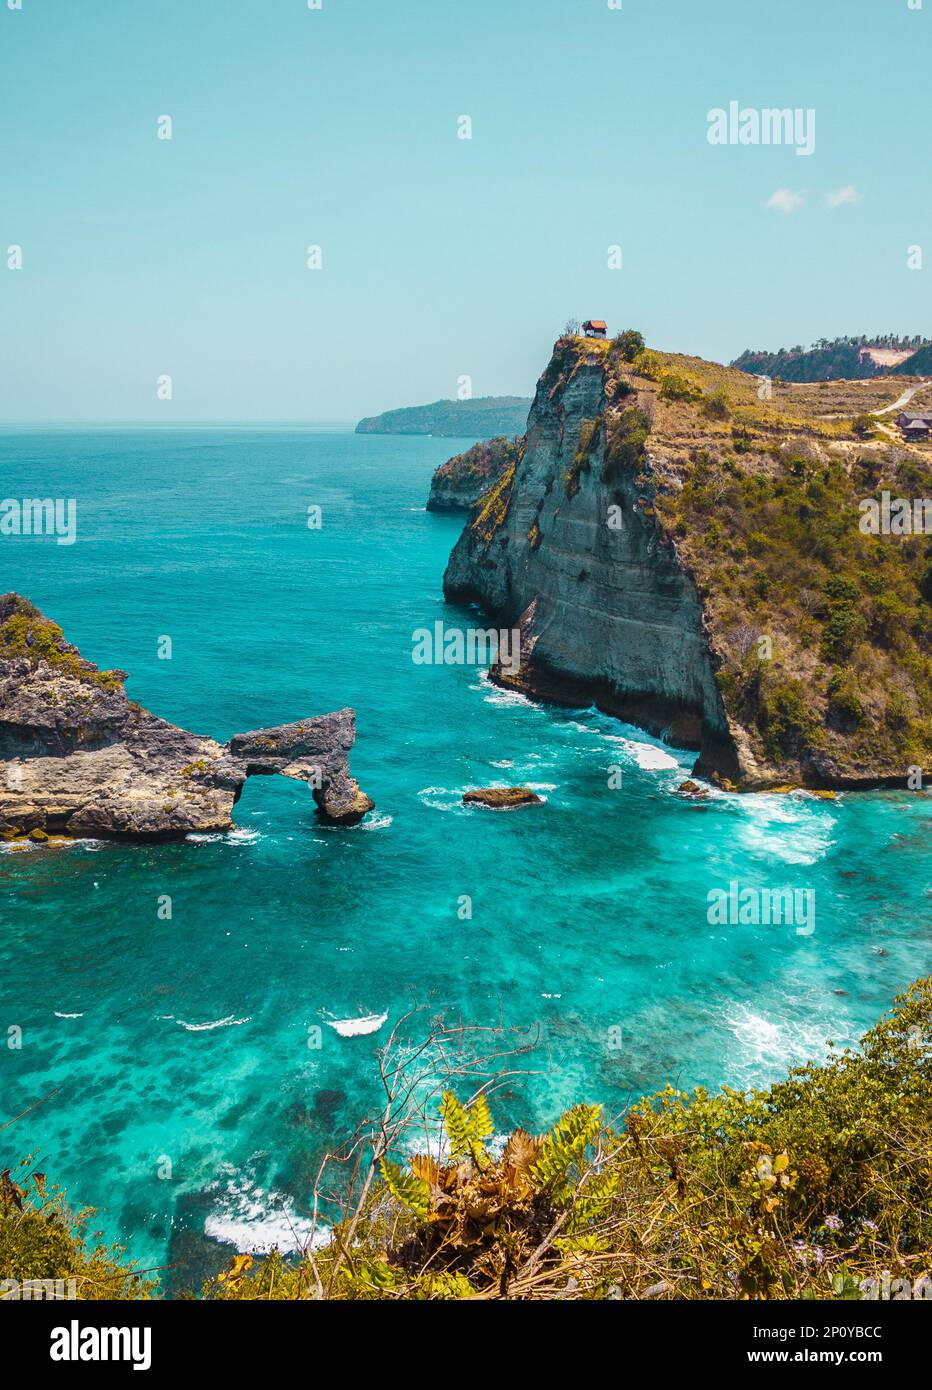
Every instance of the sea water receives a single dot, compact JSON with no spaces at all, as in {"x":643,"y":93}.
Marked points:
{"x":188,"y":1077}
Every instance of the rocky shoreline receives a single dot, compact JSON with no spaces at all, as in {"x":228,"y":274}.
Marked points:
{"x":78,"y":758}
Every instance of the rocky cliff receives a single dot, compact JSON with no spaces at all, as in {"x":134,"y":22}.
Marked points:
{"x":688,"y":556}
{"x":459,"y":484}
{"x":79,"y":758}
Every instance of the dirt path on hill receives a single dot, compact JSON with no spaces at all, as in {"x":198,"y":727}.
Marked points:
{"x":904,"y":399}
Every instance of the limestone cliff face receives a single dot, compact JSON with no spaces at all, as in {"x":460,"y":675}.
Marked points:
{"x":459,"y":484}
{"x":606,"y":609}
{"x":78,"y":758}
{"x":686,"y":553}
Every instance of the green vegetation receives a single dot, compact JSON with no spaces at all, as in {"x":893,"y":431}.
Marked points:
{"x":803,"y":1190}
{"x":42,"y":1238}
{"x":483,"y":461}
{"x":763,"y":499}
{"x":626,"y":346}
{"x":25,"y":633}
{"x":715,"y":406}
{"x":828,"y":361}
{"x":790,"y":562}
{"x":493,"y":506}
{"x":589,"y":432}
{"x":674,"y":387}
{"x":626,"y":438}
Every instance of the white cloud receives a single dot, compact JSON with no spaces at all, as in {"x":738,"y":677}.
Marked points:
{"x":848,"y":194}
{"x":785,"y":200}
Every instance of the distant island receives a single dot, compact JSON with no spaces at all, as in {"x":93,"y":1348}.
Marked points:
{"x":844,"y":359}
{"x":484,"y":417}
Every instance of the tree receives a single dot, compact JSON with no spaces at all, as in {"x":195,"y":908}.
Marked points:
{"x":628,"y":344}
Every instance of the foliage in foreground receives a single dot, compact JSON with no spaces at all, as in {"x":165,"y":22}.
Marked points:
{"x":801,"y":1191}
{"x":42,"y":1238}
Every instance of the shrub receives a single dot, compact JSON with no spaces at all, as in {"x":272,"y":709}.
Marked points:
{"x":627,"y":435}
{"x":842,"y":633}
{"x":715,"y":406}
{"x":784,"y":718}
{"x":800,"y":1191}
{"x":674,"y":387}
{"x":628,"y":344}
{"x":845,"y":710}
{"x":42,"y":1238}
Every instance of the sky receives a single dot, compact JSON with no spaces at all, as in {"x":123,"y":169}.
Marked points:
{"x":440,"y":257}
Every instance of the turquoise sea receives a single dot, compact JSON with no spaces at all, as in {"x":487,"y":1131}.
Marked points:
{"x":187,"y":1039}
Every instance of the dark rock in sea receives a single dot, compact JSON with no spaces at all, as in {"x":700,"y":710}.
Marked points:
{"x":693,"y":789}
{"x":79,"y":758}
{"x":502,"y":798}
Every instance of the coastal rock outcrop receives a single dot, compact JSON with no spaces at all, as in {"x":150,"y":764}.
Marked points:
{"x":459,"y":484}
{"x":77,"y":757}
{"x":502,"y":798}
{"x":686,"y":555}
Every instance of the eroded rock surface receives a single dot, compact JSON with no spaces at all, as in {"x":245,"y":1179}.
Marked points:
{"x":502,"y":798}
{"x":77,"y":757}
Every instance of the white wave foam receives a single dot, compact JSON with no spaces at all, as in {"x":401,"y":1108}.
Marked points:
{"x":506,"y":697}
{"x":442,"y":798}
{"x":792,"y":829}
{"x":379,"y":822}
{"x":228,"y":1022}
{"x":239,"y":835}
{"x":256,"y":1221}
{"x":357,"y":1027}
{"x":768,"y":1047}
{"x":58,"y":1015}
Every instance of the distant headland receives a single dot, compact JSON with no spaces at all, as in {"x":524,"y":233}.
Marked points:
{"x":483,"y":417}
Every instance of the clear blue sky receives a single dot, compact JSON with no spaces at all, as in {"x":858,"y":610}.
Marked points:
{"x":441,"y":256}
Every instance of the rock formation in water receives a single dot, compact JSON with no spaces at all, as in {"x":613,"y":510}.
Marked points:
{"x":502,"y":798}
{"x":687,"y":554}
{"x":79,"y":758}
{"x":459,"y":484}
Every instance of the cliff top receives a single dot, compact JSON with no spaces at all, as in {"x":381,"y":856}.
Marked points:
{"x":25,"y":632}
